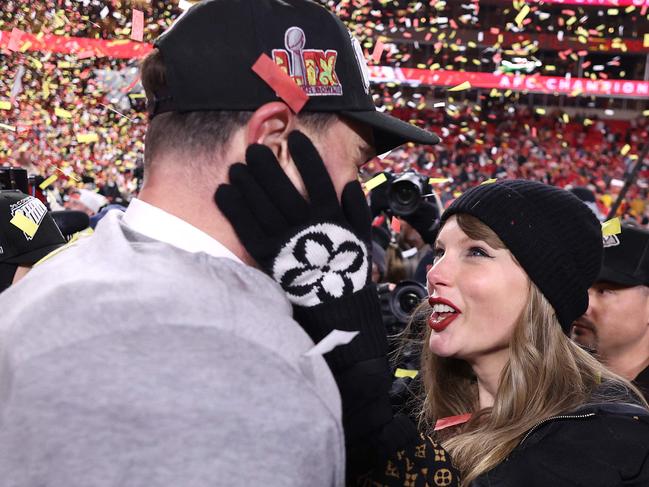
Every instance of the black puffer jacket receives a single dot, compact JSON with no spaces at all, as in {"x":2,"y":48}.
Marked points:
{"x":603,"y":445}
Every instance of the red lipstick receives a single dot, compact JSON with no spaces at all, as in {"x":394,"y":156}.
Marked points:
{"x":444,"y":313}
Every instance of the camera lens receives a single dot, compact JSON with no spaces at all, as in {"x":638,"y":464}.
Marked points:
{"x":405,"y":193}
{"x":409,"y":301}
{"x":405,"y":298}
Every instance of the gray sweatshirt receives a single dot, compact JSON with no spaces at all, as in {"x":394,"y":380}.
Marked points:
{"x":127,"y":362}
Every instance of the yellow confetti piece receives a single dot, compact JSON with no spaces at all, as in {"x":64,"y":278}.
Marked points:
{"x":5,"y":105}
{"x":611,"y":227}
{"x":645,"y":113}
{"x":645,"y":41}
{"x":625,"y":150}
{"x":521,"y":15}
{"x":488,"y":181}
{"x":375,"y":181}
{"x":565,"y":118}
{"x":87,"y":138}
{"x":7,"y":127}
{"x":438,"y":180}
{"x":399,"y":373}
{"x":461,"y":87}
{"x":25,"y":224}
{"x":540,"y":111}
{"x":588,"y":121}
{"x":48,"y":181}
{"x":61,"y":113}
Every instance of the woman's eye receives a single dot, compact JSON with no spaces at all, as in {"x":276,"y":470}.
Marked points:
{"x":439,"y":252}
{"x":478,"y":252}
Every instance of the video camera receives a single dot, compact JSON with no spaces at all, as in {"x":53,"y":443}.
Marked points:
{"x":402,"y":194}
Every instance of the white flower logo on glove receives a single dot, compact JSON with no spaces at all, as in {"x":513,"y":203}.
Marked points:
{"x":321,"y":262}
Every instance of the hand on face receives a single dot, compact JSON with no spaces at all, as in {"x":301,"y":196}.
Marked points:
{"x":478,"y":293}
{"x":315,"y":247}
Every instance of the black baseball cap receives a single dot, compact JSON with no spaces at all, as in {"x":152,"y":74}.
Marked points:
{"x":626,"y":258}
{"x":210,"y":50}
{"x":17,"y":247}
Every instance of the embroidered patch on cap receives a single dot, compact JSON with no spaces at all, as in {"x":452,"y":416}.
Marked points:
{"x":313,"y":70}
{"x":31,"y":209}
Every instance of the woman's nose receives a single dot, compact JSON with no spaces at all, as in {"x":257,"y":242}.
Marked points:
{"x":440,"y":273}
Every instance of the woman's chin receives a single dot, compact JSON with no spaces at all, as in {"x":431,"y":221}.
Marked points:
{"x":441,"y":347}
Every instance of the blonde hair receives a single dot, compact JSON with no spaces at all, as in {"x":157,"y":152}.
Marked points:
{"x":547,"y":374}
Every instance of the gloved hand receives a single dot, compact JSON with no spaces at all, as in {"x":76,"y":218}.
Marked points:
{"x":379,"y":196}
{"x":425,"y":220}
{"x":317,"y":250}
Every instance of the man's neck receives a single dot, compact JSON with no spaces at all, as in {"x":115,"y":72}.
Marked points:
{"x":200,"y":211}
{"x":629,"y":363}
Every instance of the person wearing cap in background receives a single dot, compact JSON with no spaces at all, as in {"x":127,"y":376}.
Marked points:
{"x":23,"y":245}
{"x":170,"y":358}
{"x":616,"y":324}
{"x":90,"y":202}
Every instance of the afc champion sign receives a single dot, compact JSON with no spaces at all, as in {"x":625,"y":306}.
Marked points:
{"x":599,"y":3}
{"x":534,"y":83}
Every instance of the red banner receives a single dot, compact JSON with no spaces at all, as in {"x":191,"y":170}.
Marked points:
{"x":83,"y":47}
{"x":534,"y":83}
{"x":597,"y":3}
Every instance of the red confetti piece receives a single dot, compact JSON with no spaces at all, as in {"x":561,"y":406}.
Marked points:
{"x":137,"y":26}
{"x":14,"y":40}
{"x":132,"y":85}
{"x":85,"y":54}
{"x":442,"y":423}
{"x":395,"y":224}
{"x":378,"y":51}
{"x":281,"y":82}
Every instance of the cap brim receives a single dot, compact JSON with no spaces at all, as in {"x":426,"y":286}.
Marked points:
{"x":609,"y":275}
{"x":390,"y":132}
{"x":34,"y":256}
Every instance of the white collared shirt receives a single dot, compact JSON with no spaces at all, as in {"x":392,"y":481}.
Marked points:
{"x":159,"y":225}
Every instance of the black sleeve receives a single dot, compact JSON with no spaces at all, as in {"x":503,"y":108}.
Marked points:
{"x":380,"y":446}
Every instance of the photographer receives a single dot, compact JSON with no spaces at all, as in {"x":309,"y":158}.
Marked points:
{"x":407,"y":196}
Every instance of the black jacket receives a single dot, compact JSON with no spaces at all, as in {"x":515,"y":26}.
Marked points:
{"x":604,"y":445}
{"x":642,"y":382}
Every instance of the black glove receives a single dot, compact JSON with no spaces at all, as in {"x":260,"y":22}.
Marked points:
{"x":379,"y":196}
{"x":425,"y":220}
{"x":317,"y":249}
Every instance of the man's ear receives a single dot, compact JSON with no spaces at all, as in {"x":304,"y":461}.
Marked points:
{"x":270,"y":125}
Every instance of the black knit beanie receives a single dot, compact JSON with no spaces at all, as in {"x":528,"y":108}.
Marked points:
{"x":553,"y":235}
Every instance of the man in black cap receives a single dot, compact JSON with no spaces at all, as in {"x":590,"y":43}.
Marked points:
{"x":32,"y":235}
{"x":169,"y":358}
{"x":616,"y":325}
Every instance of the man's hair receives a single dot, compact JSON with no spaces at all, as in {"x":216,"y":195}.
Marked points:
{"x":199,"y":132}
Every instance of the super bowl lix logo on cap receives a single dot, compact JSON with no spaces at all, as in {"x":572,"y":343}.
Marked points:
{"x":32,"y":209}
{"x":314,"y":70}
